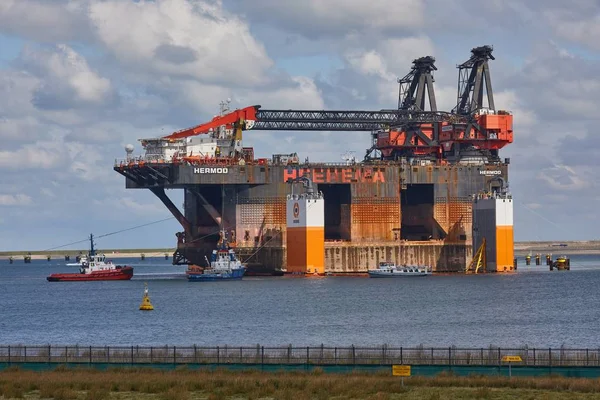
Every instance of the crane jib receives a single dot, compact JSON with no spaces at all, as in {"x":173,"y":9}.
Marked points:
{"x":344,"y":120}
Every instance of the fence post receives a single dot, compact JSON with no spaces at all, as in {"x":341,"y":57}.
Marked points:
{"x":196,"y":354}
{"x":49,"y":353}
{"x":432,"y":360}
{"x":401,"y":358}
{"x":9,"y":354}
{"x":90,"y":354}
{"x":66,"y":354}
{"x":108,"y":354}
{"x":174,"y":355}
{"x":534,"y":362}
{"x":131,"y":354}
{"x":335,"y":355}
{"x":449,"y":355}
{"x":550,"y":356}
{"x":481,"y":362}
{"x":218,"y":355}
{"x":25,"y":353}
{"x":587,"y":357}
{"x":262,"y":356}
{"x":383,"y":353}
{"x":353,"y":355}
{"x":499,"y":357}
{"x":307,"y":355}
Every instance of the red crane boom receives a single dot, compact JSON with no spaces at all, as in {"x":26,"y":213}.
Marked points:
{"x":245,"y":116}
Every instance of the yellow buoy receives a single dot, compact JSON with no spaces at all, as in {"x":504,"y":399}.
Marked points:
{"x":146,"y":305}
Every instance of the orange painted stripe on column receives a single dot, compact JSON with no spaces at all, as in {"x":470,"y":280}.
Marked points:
{"x":315,"y":249}
{"x":505,"y":248}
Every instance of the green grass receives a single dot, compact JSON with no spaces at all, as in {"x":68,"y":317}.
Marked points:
{"x":63,"y":384}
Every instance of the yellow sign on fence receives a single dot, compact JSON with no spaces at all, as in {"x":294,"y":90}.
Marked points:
{"x":401,"y":370}
{"x":511,"y":359}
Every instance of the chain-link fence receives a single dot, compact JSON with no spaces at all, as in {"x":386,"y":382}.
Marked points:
{"x":322,"y":355}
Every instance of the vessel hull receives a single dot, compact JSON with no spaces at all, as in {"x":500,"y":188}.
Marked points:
{"x":123,"y":274}
{"x":404,"y":212}
{"x":396,"y":275}
{"x":210,"y":276}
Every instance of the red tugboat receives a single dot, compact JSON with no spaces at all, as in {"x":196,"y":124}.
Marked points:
{"x":95,"y":268}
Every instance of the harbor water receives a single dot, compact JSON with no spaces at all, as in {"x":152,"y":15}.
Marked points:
{"x":533,"y":307}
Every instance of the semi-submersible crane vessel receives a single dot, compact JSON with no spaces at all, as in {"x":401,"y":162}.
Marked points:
{"x":409,"y":200}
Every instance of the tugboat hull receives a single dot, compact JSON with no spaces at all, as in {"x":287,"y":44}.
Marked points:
{"x":120,"y":274}
{"x":216,"y":276}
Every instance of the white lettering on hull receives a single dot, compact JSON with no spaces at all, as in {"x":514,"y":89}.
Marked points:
{"x":210,"y":170}
{"x":498,"y":172}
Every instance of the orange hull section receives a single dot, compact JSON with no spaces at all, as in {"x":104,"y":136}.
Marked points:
{"x":306,"y":250}
{"x":505,"y":252}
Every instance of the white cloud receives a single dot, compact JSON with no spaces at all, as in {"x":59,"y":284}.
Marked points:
{"x":181,"y":39}
{"x":369,"y":63}
{"x":33,"y":156}
{"x":315,"y":18}
{"x":300,"y":93}
{"x":66,"y":79}
{"x":44,"y":20}
{"x":563,"y":177}
{"x":387,"y":61}
{"x":510,"y":100}
{"x":580,"y":25}
{"x":15,"y":200}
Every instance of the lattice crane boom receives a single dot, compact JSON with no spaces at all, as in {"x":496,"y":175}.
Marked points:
{"x":255,"y":118}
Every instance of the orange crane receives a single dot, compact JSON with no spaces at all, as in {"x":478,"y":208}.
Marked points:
{"x":239,"y":119}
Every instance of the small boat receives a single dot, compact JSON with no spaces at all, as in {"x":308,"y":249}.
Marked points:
{"x":388,"y":269}
{"x":95,"y":267}
{"x":561,"y":263}
{"x":223,"y":265}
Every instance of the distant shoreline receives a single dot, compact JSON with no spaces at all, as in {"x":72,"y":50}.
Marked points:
{"x":59,"y":255}
{"x":521,"y":250}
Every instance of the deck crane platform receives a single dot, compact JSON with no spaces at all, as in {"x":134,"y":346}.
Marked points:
{"x":409,"y":131}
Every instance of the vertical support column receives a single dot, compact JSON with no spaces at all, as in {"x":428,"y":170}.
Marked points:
{"x":305,"y":215}
{"x":505,"y":247}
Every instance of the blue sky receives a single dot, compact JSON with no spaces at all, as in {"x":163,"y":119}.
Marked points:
{"x":79,"y":80}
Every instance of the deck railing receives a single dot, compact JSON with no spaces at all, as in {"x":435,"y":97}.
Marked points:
{"x":321,"y":355}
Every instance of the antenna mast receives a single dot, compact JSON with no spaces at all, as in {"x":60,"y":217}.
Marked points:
{"x":92,"y":251}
